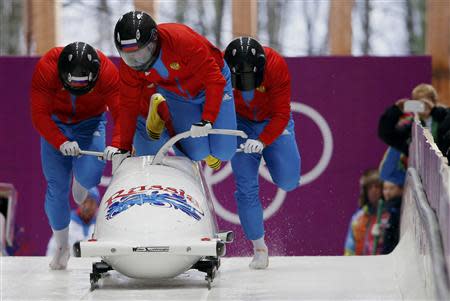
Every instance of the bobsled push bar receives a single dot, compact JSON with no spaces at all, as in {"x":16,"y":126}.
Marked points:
{"x":94,"y":248}
{"x":165,"y":148}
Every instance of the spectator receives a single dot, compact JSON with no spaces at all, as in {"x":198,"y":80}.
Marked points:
{"x":444,"y":143}
{"x":394,"y":127}
{"x":392,"y":172}
{"x":359,"y":238}
{"x":82,"y":221}
{"x":374,"y":228}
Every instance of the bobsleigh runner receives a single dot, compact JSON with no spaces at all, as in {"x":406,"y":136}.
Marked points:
{"x":156,"y":219}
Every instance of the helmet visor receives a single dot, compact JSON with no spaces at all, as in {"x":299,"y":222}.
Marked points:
{"x":245,"y":81}
{"x":243,"y":76}
{"x":243,"y":67}
{"x":140,"y":59}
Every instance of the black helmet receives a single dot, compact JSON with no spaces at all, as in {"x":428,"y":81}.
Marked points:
{"x":246,"y":59}
{"x":136,"y":39}
{"x":78,"y":68}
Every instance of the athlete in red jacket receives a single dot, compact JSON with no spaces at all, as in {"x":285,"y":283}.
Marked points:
{"x":188,"y":71}
{"x":71,"y":89}
{"x":51,"y":100}
{"x":271,"y":100}
{"x":262,"y":92}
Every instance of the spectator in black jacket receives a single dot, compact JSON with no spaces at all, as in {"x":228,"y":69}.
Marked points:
{"x":444,"y":143}
{"x":394,"y":127}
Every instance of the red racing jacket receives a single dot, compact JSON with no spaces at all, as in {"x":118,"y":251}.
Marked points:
{"x":192,"y":65}
{"x":49,"y":98}
{"x":272,"y":99}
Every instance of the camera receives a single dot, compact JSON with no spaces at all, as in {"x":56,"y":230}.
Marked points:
{"x":414,"y":106}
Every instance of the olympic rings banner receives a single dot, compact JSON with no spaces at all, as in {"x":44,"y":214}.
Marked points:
{"x":336,"y":103}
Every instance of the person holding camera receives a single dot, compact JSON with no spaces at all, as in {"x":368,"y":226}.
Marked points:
{"x":394,"y":126}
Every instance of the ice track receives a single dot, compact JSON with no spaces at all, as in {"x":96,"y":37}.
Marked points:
{"x":416,"y":269}
{"x":288,"y":278}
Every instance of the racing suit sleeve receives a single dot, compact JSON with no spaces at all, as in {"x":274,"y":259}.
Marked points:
{"x":41,"y":105}
{"x":279,"y":89}
{"x":130,"y":93}
{"x":205,"y":68}
{"x":111,"y":93}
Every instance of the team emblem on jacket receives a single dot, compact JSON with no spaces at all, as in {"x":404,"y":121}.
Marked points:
{"x":261,"y":89}
{"x":175,"y":66}
{"x":226,"y":97}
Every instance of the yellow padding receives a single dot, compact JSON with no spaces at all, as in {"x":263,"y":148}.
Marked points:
{"x":154,"y":124}
{"x":213,"y":162}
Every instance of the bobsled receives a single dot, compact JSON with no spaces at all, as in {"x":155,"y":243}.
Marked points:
{"x":156,"y":219}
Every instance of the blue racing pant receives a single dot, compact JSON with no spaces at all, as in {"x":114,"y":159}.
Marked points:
{"x":58,"y":169}
{"x":143,"y":145}
{"x":186,"y":111}
{"x":283,"y":162}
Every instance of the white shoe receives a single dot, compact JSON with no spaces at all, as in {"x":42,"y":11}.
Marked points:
{"x":260,"y":260}
{"x":60,"y":259}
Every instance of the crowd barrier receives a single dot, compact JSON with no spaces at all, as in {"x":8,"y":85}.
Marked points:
{"x":426,"y":215}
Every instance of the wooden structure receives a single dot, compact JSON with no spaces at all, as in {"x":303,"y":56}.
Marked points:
{"x":245,"y":18}
{"x":340,"y":27}
{"x":42,"y":25}
{"x":149,"y":6}
{"x":438,"y":45}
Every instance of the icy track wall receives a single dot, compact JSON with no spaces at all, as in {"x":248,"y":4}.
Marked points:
{"x":434,"y":173}
{"x":336,"y":103}
{"x":420,"y":257}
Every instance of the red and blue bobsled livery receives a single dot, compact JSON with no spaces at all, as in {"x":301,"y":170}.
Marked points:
{"x":156,"y":220}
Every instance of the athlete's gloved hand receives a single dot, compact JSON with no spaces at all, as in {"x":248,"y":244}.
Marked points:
{"x":109,"y":152}
{"x":118,"y":158}
{"x":252,"y":146}
{"x":200,"y":129}
{"x":70,"y":148}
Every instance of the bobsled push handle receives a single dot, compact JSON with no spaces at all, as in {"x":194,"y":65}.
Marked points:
{"x":91,"y":153}
{"x":165,"y":148}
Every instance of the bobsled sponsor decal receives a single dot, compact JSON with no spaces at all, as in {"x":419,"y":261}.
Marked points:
{"x":155,"y":195}
{"x":151,"y":249}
